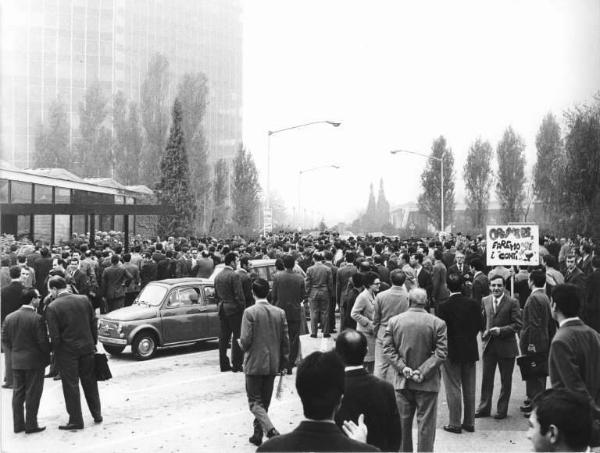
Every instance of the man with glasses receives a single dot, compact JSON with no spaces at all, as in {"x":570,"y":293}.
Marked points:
{"x":502,"y":319}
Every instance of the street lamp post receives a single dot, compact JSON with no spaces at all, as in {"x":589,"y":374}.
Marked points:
{"x":277,"y":131}
{"x":441,"y":161}
{"x":301,"y":172}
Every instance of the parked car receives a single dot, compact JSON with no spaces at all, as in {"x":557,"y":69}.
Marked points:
{"x":168,"y":312}
{"x":260,"y":268}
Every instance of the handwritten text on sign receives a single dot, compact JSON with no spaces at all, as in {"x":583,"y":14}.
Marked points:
{"x":512,"y":245}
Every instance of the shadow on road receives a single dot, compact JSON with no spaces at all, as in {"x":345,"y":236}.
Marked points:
{"x":201,"y":346}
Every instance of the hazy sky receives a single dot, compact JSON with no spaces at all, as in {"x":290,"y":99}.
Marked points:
{"x":398,"y":74}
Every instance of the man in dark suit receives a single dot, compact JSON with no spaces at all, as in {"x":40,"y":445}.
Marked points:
{"x":367,"y":394}
{"x":264,"y":339}
{"x":230,"y":295}
{"x":423,"y":277}
{"x":416,"y":345}
{"x":320,"y":385}
{"x":115,"y":280}
{"x":573,"y":361}
{"x":204,"y":265}
{"x":10,"y":298}
{"x":481,"y":284}
{"x":319,"y":288}
{"x":148,"y":269}
{"x":448,"y":257}
{"x":133,"y":289}
{"x":245,"y":277}
{"x":591,"y":308}
{"x":502,"y":320}
{"x":25,"y":333}
{"x":461,"y":268}
{"x":537,"y":332}
{"x":332,"y":295}
{"x":77,"y":278}
{"x":463,"y":320}
{"x":42,"y":267}
{"x":74,"y":333}
{"x":343,"y":276}
{"x":439,"y":292}
{"x":288,"y":294}
{"x":575,"y":276}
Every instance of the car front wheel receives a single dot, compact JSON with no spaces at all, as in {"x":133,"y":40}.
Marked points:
{"x":113,"y":350}
{"x":144,"y":346}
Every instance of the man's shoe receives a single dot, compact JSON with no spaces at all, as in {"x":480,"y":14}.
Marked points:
{"x":49,"y":375}
{"x":289,"y":371}
{"x":256,"y":439}
{"x":272,"y":433}
{"x":326,"y":335}
{"x":469,"y":428}
{"x":98,"y":419}
{"x":37,"y":429}
{"x":500,"y":416}
{"x":237,"y":368}
{"x":526,"y":408}
{"x":19,"y":430}
{"x":225,"y":370}
{"x":313,"y":335}
{"x":57,"y":377}
{"x":452,"y":429}
{"x":70,"y":427}
{"x":481,"y":414}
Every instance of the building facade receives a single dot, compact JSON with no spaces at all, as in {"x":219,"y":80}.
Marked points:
{"x":53,"y":49}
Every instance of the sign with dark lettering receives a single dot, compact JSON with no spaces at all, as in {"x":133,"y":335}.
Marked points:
{"x":512,"y":245}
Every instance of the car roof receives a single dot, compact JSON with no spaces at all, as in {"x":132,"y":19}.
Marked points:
{"x":183,"y":281}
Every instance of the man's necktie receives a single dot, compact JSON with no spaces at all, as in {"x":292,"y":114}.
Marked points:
{"x":495,"y":305}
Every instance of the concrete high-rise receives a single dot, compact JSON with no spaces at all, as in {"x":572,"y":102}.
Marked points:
{"x":53,"y":49}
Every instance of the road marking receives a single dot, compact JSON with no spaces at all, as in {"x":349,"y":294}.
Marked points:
{"x":194,"y":424}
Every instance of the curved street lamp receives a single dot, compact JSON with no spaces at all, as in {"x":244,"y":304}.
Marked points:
{"x":277,"y":131}
{"x":441,"y":160}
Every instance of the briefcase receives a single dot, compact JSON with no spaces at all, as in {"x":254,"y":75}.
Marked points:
{"x":533,"y":365}
{"x":101,"y":366}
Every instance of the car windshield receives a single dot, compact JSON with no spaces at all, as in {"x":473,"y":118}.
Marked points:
{"x":152,"y":295}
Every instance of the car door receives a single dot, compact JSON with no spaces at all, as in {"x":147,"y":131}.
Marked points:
{"x":213,"y":323}
{"x":181,"y":315}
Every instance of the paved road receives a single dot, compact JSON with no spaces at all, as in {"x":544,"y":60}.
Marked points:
{"x":179,"y":402}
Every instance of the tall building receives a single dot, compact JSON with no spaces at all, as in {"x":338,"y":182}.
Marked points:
{"x":53,"y":49}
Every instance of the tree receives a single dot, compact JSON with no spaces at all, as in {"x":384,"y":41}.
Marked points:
{"x":511,"y":175}
{"x":174,"y":186}
{"x":246,"y":190}
{"x":219,"y":202}
{"x":128,"y":140}
{"x":154,"y":116}
{"x":581,"y":188}
{"x":322,"y":225}
{"x":135,"y":144}
{"x":477,"y":174}
{"x":94,"y":144}
{"x":383,"y":208}
{"x":193,"y":93}
{"x":52,"y":139}
{"x":548,"y":169}
{"x":430,"y":199}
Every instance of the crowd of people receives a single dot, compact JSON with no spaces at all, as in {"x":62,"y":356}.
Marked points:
{"x":410,"y":312}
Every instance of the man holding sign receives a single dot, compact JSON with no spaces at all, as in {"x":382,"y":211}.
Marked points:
{"x":502,"y":319}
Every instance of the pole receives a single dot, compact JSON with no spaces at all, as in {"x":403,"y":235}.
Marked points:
{"x":442,"y":190}
{"x":299,"y":202}
{"x":268,"y":197}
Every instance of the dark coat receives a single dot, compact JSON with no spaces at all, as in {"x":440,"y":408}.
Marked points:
{"x":591,"y":308}
{"x":376,"y":398}
{"x":42,"y":267}
{"x":481,"y":287}
{"x":204,"y":267}
{"x":314,"y":436}
{"x":425,"y":281}
{"x":508,"y":319}
{"x":448,"y":259}
{"x":72,"y":324}
{"x":10,"y":299}
{"x":577,"y":278}
{"x":115,"y":279}
{"x":343,"y":275}
{"x":148,"y":271}
{"x":573,"y":361}
{"x":463,"y":321}
{"x":246,"y":286}
{"x":24,"y":333}
{"x":538,"y":324}
{"x":288,"y":293}
{"x":229,"y":292}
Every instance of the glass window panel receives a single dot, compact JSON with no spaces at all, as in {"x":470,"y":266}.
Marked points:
{"x":79,"y":224}
{"x":20,"y":192}
{"x":129,"y":200}
{"x":119,"y":199}
{"x":62,"y":195}
{"x":43,"y":194}
{"x":119,"y":223}
{"x":3,"y":191}
{"x":106,"y":222}
{"x":23,"y":226}
{"x":61,"y":228}
{"x":42,"y":225}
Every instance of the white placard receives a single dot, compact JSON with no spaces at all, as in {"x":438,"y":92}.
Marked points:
{"x":512,"y":245}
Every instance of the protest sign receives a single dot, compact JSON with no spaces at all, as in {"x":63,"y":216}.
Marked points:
{"x":512,"y":245}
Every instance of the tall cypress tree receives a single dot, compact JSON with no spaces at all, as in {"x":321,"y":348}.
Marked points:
{"x":383,"y":207}
{"x":174,"y":186}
